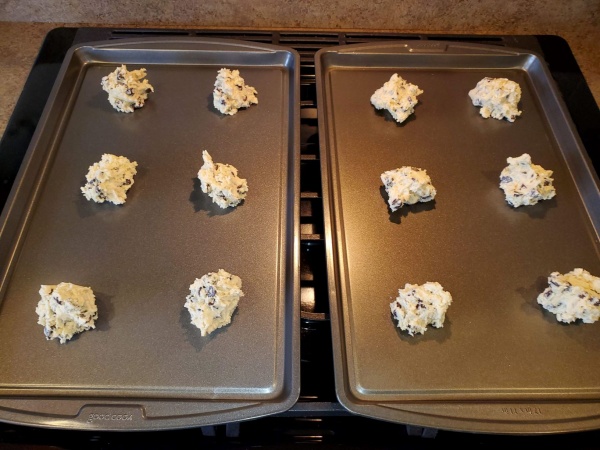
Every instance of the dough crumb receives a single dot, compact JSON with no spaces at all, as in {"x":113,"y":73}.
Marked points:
{"x":397,"y":96}
{"x":498,"y":98}
{"x":213,"y":299}
{"x":221,"y":182}
{"x":109,"y":179}
{"x":574,"y":295}
{"x":126,"y":90}
{"x":525,"y":183}
{"x":66,"y":309}
{"x":407,"y":186}
{"x":418,"y":306}
{"x":231,"y":93}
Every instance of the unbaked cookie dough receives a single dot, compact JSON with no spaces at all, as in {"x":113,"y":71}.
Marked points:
{"x":66,"y":309}
{"x":231,"y":93}
{"x":398,"y":96}
{"x":221,"y":182}
{"x":126,"y":90}
{"x":109,"y":179}
{"x":525,"y":183}
{"x":213,"y":299}
{"x":498,"y":98}
{"x":406,"y":186}
{"x":574,"y":295}
{"x":418,"y":306}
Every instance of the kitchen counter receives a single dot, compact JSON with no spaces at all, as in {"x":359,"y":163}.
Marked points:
{"x":21,"y":41}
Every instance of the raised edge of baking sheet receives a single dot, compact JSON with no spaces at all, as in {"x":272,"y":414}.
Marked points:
{"x":500,"y":363}
{"x":145,"y":366}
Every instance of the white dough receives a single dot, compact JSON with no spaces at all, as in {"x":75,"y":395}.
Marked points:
{"x":398,"y":96}
{"x":574,"y":295}
{"x":110,"y":179}
{"x":406,"y":186}
{"x":213,"y":299}
{"x":66,"y":309}
{"x":525,"y":183}
{"x":418,"y":306}
{"x":498,"y":98}
{"x":126,"y":90}
{"x":221,"y":182}
{"x":231,"y":94}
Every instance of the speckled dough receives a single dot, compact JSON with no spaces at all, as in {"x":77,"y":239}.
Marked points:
{"x":525,"y":183}
{"x":572,"y":296}
{"x":66,"y":309}
{"x":221,"y":182}
{"x":231,"y":93}
{"x":126,"y":90}
{"x":498,"y":98}
{"x":110,"y":179}
{"x":406,"y":186}
{"x":418,"y":306}
{"x":397,"y":96}
{"x":213,"y":299}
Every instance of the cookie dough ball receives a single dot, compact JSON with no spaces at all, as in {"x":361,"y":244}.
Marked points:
{"x":231,"y":93}
{"x":126,"y":90}
{"x":418,"y":306}
{"x":574,"y":295}
{"x":498,"y":98}
{"x":66,"y":309}
{"x":407,"y":186}
{"x":213,"y":299}
{"x":221,"y":182}
{"x":109,"y":179}
{"x":525,"y":183}
{"x":397,"y":96}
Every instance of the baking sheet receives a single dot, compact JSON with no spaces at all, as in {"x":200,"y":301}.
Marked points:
{"x":140,"y":258}
{"x":501,"y":363}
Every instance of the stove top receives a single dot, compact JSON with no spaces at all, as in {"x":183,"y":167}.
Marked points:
{"x":317,"y":418}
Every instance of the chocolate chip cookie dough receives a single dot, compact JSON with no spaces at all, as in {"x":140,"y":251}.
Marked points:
{"x":221,"y":182}
{"x":109,"y":179}
{"x":397,"y":96}
{"x":525,"y":183}
{"x":213,"y":299}
{"x":231,"y":93}
{"x":127,"y":90}
{"x":66,"y":309}
{"x":497,"y":97}
{"x":418,"y":306}
{"x":407,"y":186}
{"x":572,"y":296}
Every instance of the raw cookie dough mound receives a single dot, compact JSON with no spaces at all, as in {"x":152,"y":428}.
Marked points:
{"x":66,"y":309}
{"x":231,"y":94}
{"x":213,"y":299}
{"x":418,"y":306}
{"x":574,"y":295}
{"x":109,"y":179}
{"x":498,"y":98}
{"x":126,"y":90}
{"x":221,"y":182}
{"x":525,"y":183}
{"x":398,"y":96}
{"x":407,"y":186}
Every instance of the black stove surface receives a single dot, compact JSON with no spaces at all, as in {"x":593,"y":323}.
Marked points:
{"x":317,"y":420}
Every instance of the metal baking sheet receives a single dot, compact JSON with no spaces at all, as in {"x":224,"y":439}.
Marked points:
{"x":501,"y":363}
{"x":145,"y":366}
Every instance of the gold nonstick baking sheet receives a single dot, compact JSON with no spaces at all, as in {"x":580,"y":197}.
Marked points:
{"x":500,"y":363}
{"x":145,"y":364}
